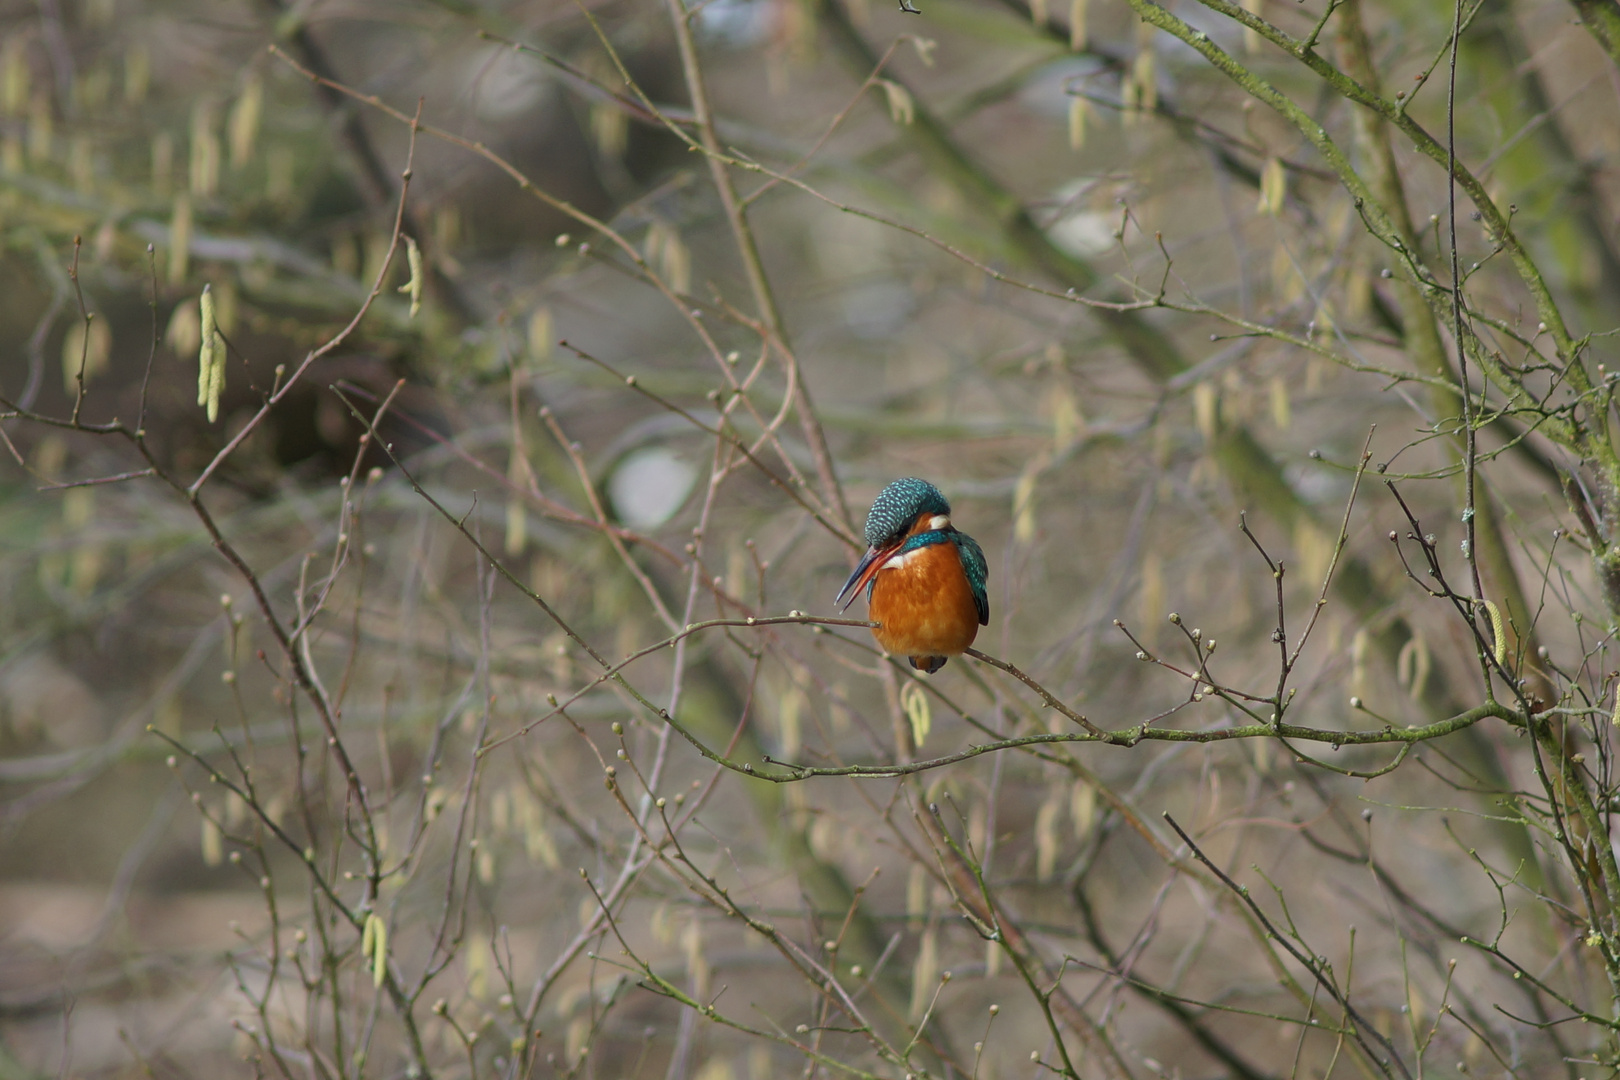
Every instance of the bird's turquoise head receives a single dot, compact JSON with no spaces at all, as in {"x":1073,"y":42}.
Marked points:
{"x":900,"y":504}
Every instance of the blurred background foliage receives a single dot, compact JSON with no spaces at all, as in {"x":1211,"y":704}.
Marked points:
{"x":1102,"y":457}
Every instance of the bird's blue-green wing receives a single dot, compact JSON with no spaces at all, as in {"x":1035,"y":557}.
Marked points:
{"x":978,"y":573}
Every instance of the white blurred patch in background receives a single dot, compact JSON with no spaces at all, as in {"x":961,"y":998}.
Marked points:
{"x":649,"y":486}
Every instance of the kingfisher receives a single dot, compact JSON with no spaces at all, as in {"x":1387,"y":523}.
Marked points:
{"x":924,"y":580}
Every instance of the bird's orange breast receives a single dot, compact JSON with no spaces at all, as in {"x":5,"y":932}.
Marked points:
{"x":923,"y":604}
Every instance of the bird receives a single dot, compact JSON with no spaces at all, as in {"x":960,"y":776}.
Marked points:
{"x":924,"y":580}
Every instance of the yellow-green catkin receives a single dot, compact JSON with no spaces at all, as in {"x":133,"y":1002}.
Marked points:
{"x":1273,"y":187}
{"x":1498,"y":634}
{"x":205,"y":149}
{"x":86,"y":352}
{"x":902,"y":109}
{"x":1079,"y":107}
{"x":1282,"y":412}
{"x":184,"y":332}
{"x":670,"y":256}
{"x":41,"y":127}
{"x":374,"y":944}
{"x":1251,"y":37}
{"x":210,"y":358}
{"x":1077,"y":25}
{"x":137,"y":73}
{"x":243,"y":126}
{"x":180,"y":239}
{"x":1147,"y":81}
{"x":1024,"y":507}
{"x":541,"y":334}
{"x":413,"y":258}
{"x":213,"y":843}
{"x":915,"y":701}
{"x":205,"y":355}
{"x":15,"y":76}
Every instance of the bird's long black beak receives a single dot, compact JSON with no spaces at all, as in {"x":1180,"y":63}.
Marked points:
{"x":863,"y":575}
